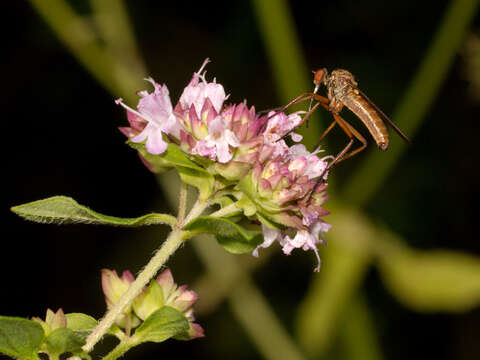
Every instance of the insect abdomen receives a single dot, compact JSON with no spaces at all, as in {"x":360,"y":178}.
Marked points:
{"x":370,"y":117}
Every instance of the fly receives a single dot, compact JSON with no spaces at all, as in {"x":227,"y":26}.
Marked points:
{"x":342,"y":90}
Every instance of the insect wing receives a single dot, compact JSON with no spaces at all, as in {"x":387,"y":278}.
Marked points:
{"x":386,"y":118}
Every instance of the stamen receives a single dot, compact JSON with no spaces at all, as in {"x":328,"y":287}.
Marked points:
{"x":202,"y":77}
{"x":206,"y":61}
{"x":120,"y":102}
{"x":199,"y":72}
{"x":327,"y":157}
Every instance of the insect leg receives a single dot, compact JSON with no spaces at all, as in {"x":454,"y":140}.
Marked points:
{"x":304,"y":118}
{"x":321,"y":100}
{"x":352,"y":133}
{"x":324,"y":134}
{"x":345,"y":125}
{"x":300,"y":98}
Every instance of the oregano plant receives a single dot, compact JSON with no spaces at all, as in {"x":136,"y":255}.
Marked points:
{"x":253,"y":189}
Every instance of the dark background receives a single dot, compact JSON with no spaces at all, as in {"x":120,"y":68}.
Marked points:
{"x":60,"y":138}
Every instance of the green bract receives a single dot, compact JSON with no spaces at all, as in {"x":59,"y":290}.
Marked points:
{"x":231,"y":236}
{"x":190,"y":172}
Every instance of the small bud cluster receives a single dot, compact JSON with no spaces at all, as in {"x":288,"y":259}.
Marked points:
{"x":162,"y":291}
{"x":52,"y":321}
{"x":273,"y":183}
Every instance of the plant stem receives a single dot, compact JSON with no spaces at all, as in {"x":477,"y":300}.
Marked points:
{"x":227,"y":210}
{"x":182,"y":203}
{"x":171,"y":244}
{"x":118,"y":351}
{"x":196,"y":211}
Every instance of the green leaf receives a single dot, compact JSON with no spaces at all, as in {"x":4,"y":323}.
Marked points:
{"x":176,"y":156}
{"x":65,"y":210}
{"x":158,"y":164}
{"x":161,"y":325}
{"x":437,"y":280}
{"x":173,"y":156}
{"x":20,"y":338}
{"x":81,"y":324}
{"x":63,"y":340}
{"x":231,"y":236}
{"x":190,"y":172}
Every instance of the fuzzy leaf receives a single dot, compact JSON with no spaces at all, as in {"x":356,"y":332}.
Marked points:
{"x":65,"y":210}
{"x":63,"y":340}
{"x":161,"y":325}
{"x":231,"y":236}
{"x":190,"y":172}
{"x":81,"y":324}
{"x":438,"y":280}
{"x":20,"y":338}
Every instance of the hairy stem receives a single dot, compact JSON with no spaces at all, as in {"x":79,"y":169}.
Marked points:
{"x":196,"y":211}
{"x":182,"y":204}
{"x":227,"y":210}
{"x":173,"y":241}
{"x":170,"y":245}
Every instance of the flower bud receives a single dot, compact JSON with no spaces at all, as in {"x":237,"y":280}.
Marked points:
{"x":163,"y":291}
{"x":52,"y":321}
{"x":113,"y":288}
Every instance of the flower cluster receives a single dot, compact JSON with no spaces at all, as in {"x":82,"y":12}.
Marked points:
{"x":161,"y":292}
{"x":245,"y":152}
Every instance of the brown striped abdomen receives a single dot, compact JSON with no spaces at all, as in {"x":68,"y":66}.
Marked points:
{"x":369,"y":115}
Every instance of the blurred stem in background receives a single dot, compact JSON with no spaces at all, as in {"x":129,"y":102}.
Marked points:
{"x":471,"y":71}
{"x":80,"y":38}
{"x":357,"y":329}
{"x":337,"y":287}
{"x":113,"y":23}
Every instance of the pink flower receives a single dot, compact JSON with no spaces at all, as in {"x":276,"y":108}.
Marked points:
{"x":205,"y":132}
{"x":316,"y":166}
{"x":137,"y":124}
{"x":281,"y":189}
{"x":269,"y":237}
{"x":199,"y":89}
{"x":280,"y":125}
{"x":246,"y":153}
{"x":156,"y":109}
{"x":217,"y":143}
{"x":306,"y":239}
